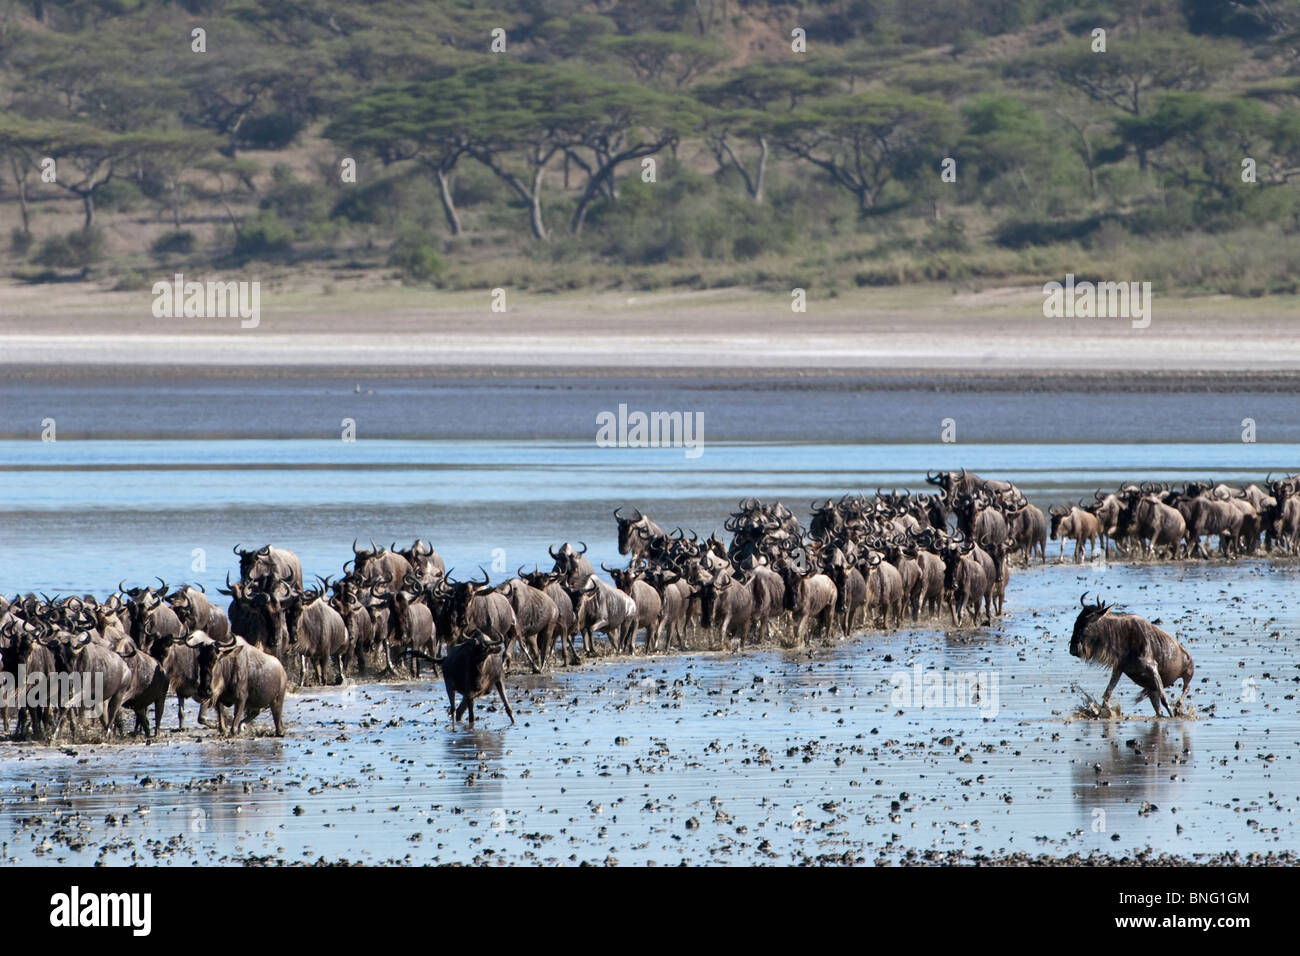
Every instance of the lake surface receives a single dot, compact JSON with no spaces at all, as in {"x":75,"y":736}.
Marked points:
{"x":769,"y":756}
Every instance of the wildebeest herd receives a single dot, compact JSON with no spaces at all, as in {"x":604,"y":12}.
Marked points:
{"x":863,"y":560}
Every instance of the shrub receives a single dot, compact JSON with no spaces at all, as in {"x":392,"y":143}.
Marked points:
{"x":20,"y":242}
{"x":173,"y":243}
{"x":262,"y":235}
{"x":272,"y":131}
{"x":77,"y":250}
{"x":416,"y":259}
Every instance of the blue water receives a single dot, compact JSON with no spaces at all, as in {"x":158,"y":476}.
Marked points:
{"x":82,"y":515}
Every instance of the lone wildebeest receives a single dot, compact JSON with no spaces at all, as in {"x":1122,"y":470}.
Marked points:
{"x":472,"y":668}
{"x":1134,"y":646}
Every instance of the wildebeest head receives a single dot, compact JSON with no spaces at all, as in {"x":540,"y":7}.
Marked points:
{"x":569,"y":563}
{"x":1084,"y":643}
{"x":462,"y":594}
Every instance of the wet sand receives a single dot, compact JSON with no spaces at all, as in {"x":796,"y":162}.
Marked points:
{"x":768,"y":757}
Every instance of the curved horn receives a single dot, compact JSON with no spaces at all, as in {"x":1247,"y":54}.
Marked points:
{"x":584,"y":547}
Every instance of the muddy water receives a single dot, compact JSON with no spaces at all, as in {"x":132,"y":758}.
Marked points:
{"x":774,"y":756}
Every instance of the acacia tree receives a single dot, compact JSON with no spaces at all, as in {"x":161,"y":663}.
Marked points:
{"x":1199,"y":142}
{"x":660,"y":58}
{"x":747,"y":106}
{"x":1131,"y":70}
{"x":21,"y":142}
{"x":432,"y":123}
{"x":864,"y":141}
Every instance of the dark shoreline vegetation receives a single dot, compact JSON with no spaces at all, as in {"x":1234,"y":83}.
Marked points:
{"x":865,"y":562}
{"x":773,"y":168}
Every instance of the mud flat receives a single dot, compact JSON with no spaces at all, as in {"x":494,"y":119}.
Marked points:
{"x":921,"y":328}
{"x":768,"y":757}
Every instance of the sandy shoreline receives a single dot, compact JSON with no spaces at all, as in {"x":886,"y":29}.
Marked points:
{"x":47,"y":330}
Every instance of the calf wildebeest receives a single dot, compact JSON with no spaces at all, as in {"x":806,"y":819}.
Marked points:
{"x":278,"y":563}
{"x":1131,"y":645}
{"x":636,"y":534}
{"x":472,"y":668}
{"x":1078,"y":523}
{"x":236,"y":674}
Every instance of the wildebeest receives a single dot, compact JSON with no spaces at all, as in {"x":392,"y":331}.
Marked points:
{"x":180,"y":662}
{"x":259,"y":612}
{"x":1078,"y":523}
{"x":809,"y":598}
{"x":536,"y":615}
{"x":475,"y":606}
{"x":148,"y":686}
{"x":105,"y":678}
{"x":566,"y":625}
{"x":727,"y":605}
{"x":603,"y":607}
{"x":278,"y":563}
{"x":965,"y":583}
{"x":389,"y":566}
{"x":1131,"y":645}
{"x":236,"y":674}
{"x":197,"y":613}
{"x":647,"y":600}
{"x":636,"y":534}
{"x":472,"y":668}
{"x":1158,"y":525}
{"x":572,"y":566}
{"x":318,"y":634}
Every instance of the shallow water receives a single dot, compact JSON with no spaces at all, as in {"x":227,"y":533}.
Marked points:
{"x":775,"y":755}
{"x":770,"y":756}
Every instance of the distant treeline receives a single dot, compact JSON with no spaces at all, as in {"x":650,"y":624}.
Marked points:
{"x":645,"y":132}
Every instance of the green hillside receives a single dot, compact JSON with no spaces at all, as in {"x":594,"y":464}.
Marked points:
{"x":829,"y":144}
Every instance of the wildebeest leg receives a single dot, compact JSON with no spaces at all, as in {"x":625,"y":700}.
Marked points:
{"x":1114,"y":679}
{"x":180,"y":711}
{"x":451,"y":696}
{"x":501,"y":689}
{"x":238,"y":718}
{"x":277,"y":708}
{"x":158,"y":714}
